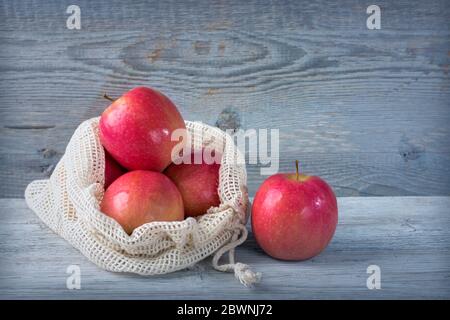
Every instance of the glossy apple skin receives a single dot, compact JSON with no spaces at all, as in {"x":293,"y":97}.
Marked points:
{"x":136,"y":129}
{"x":294,"y":220}
{"x":198,"y":185}
{"x":112,"y":170}
{"x":139,"y":197}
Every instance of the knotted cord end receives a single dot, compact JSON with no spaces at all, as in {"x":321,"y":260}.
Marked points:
{"x":242,"y":272}
{"x":245,"y":275}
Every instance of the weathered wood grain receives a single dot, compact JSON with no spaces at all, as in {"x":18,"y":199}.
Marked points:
{"x":368,"y":110}
{"x":407,"y":237}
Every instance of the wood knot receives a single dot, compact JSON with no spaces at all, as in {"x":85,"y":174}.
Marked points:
{"x":410,"y":150}
{"x":228,"y":119}
{"x":47,"y":153}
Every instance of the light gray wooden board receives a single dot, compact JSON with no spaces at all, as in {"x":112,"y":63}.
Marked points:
{"x":367,"y":110}
{"x":407,"y":237}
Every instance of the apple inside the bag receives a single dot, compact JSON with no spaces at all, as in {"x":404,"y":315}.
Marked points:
{"x":137,"y":128}
{"x":198,"y":183}
{"x":112,"y":170}
{"x":139,"y":197}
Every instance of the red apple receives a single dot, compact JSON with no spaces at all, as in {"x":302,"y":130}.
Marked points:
{"x":139,"y":197}
{"x":294,"y":216}
{"x":198,"y":184}
{"x":112,"y":170}
{"x":136,"y":129}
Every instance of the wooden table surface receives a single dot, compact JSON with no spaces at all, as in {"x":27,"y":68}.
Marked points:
{"x":407,"y":237}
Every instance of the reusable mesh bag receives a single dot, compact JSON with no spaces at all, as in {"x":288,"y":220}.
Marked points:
{"x":69,"y":203}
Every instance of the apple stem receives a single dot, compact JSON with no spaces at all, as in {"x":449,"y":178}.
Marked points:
{"x":296,"y":168}
{"x":108,"y":97}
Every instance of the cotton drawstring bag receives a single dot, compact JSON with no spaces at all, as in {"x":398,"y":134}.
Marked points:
{"x":69,"y":203}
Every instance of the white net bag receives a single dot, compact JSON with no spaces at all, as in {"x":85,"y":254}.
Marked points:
{"x":69,"y":203}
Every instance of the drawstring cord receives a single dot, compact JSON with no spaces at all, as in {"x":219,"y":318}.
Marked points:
{"x":242,"y":272}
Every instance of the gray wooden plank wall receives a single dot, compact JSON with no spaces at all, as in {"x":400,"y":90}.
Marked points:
{"x":368,"y":110}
